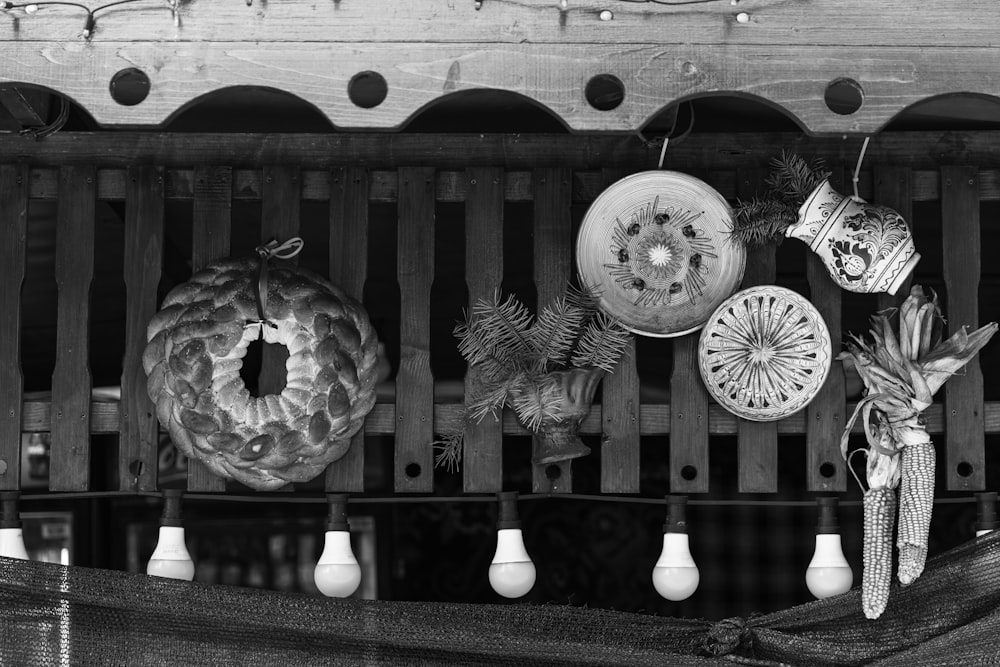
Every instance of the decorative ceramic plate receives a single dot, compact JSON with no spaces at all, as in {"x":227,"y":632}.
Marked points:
{"x":656,"y":245}
{"x":764,"y":353}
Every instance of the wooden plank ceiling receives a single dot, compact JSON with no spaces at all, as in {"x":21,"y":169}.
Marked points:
{"x":636,"y":58}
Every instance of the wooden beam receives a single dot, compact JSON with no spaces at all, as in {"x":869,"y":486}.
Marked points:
{"x":13,"y":246}
{"x":653,"y":75}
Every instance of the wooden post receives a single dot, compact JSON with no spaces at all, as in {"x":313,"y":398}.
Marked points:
{"x":688,"y":420}
{"x":894,"y":188}
{"x":211,"y":234}
{"x":757,"y":442}
{"x":349,"y":269}
{"x":482,"y":458}
{"x":414,"y":459}
{"x":69,"y":467}
{"x":280,"y":204}
{"x":553,"y":248}
{"x":620,"y":404}
{"x":138,"y":445}
{"x":13,"y":235}
{"x":965,"y":455}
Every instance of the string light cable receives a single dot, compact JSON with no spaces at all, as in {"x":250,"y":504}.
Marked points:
{"x":91,"y":20}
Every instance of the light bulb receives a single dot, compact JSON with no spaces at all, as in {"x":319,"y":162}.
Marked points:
{"x":986,"y":513}
{"x":512,"y":574}
{"x":675,"y":575}
{"x":828,"y":573}
{"x":11,"y":536}
{"x":170,"y":558}
{"x":337,"y":574}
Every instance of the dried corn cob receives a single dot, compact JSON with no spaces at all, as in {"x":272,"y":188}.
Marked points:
{"x":879,"y":518}
{"x":916,"y":501}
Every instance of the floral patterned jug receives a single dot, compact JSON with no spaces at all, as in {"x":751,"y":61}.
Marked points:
{"x":865,"y":248}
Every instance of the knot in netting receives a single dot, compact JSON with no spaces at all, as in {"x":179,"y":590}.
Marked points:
{"x":730,"y":635}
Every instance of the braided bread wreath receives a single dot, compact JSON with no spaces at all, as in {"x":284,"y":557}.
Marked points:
{"x":195,"y":350}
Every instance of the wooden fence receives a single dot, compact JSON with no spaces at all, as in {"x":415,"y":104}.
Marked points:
{"x":556,"y":175}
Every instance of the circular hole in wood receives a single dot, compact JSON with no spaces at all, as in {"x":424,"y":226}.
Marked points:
{"x":844,"y":96}
{"x":412,"y":470}
{"x":689,"y":472}
{"x":553,"y":472}
{"x":964,"y":469}
{"x":605,"y":92}
{"x":367,"y":89}
{"x":3,"y":467}
{"x":129,"y":86}
{"x":827,"y":469}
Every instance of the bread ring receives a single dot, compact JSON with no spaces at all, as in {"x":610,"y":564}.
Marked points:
{"x":195,"y":349}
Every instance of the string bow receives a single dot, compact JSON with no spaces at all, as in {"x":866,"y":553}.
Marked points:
{"x":271,"y":249}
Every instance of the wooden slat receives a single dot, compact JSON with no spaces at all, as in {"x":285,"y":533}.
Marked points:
{"x":13,"y":234}
{"x":280,"y":204}
{"x":965,"y":457}
{"x":414,"y":458}
{"x":69,"y":467}
{"x":553,"y":247}
{"x":688,"y":420}
{"x":137,"y":451}
{"x":211,"y":233}
{"x":349,"y":268}
{"x":620,"y":412}
{"x":893,"y":187}
{"x":482,"y":458}
{"x":825,"y":414}
{"x":757,"y":442}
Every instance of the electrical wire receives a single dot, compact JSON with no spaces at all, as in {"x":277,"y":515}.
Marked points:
{"x":91,"y":21}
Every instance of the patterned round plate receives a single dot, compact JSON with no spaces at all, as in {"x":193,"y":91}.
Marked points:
{"x":764,"y":353}
{"x":656,"y":245}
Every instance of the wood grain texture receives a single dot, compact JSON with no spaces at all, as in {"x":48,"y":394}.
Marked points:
{"x":211,"y":236}
{"x":482,"y":458}
{"x":825,"y":414}
{"x":553,"y":263}
{"x":138,"y":444}
{"x":923,"y":152}
{"x":757,"y":442}
{"x":348,"y":269}
{"x":848,"y":23}
{"x":688,"y":420}
{"x":654,"y":74}
{"x":13,"y":245}
{"x":965,"y":455}
{"x":414,"y":460}
{"x":280,"y":206}
{"x":69,"y":461}
{"x":620,"y":411}
{"x":893,"y":187}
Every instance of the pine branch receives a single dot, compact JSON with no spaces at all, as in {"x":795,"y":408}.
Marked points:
{"x":536,"y":399}
{"x":448,"y":451}
{"x":495,"y":331}
{"x":602,"y":344}
{"x":555,"y":332}
{"x":792,"y":177}
{"x":762,"y":221}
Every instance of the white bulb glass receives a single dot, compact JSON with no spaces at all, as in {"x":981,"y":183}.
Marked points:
{"x":170,"y":558}
{"x":676,"y":576}
{"x":12,"y":543}
{"x":512,"y":574}
{"x":828,"y":573}
{"x":337,"y":574}
{"x":980,"y":533}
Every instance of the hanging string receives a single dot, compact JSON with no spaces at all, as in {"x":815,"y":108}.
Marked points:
{"x":857,"y":170}
{"x":272,"y":248}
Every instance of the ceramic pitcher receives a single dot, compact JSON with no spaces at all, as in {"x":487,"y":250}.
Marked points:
{"x":866,"y":248}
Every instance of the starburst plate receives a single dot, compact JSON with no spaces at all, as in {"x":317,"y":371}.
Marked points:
{"x":764,"y":353}
{"x":657,"y":248}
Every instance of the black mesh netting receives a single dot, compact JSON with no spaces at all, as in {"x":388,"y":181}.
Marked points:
{"x":55,"y":615}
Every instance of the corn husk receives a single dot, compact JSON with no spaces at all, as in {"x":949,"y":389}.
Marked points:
{"x":902,"y":369}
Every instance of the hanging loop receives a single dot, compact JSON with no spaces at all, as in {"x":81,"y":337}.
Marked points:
{"x":857,"y":170}
{"x":272,"y":248}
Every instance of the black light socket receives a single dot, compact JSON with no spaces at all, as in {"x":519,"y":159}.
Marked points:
{"x":9,"y":516}
{"x":172,"y":508}
{"x":676,"y":515}
{"x":337,"y":518}
{"x":986,"y":511}
{"x":827,"y":523}
{"x":508,"y":510}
